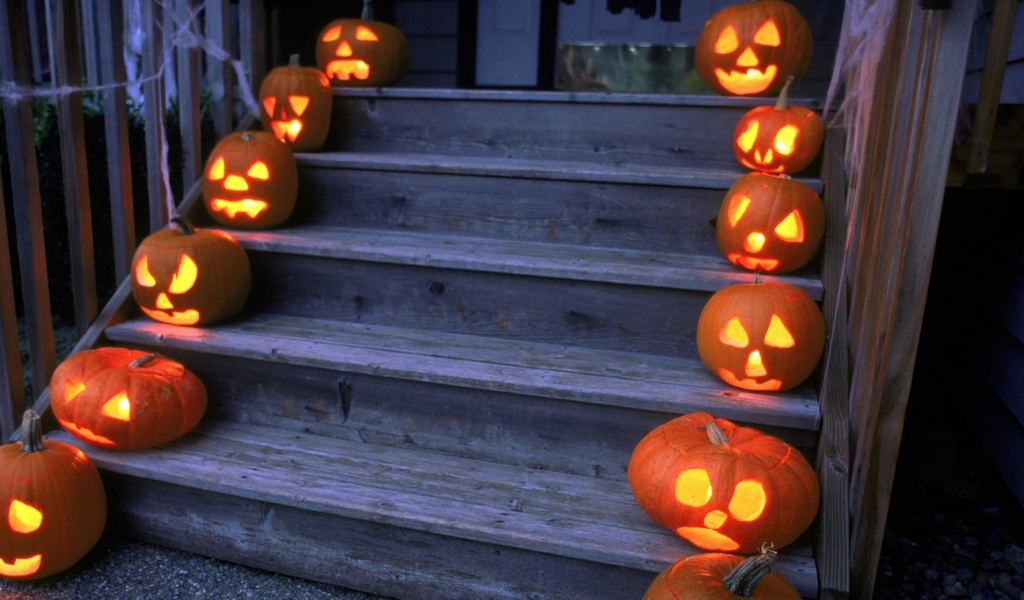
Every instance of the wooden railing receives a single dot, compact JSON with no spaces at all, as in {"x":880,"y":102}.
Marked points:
{"x":177,"y":49}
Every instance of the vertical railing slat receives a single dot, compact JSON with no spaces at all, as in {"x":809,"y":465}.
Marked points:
{"x":115,"y":122}
{"x":251,"y":44}
{"x":24,"y":175}
{"x":153,"y":90}
{"x":90,"y":40}
{"x":71,"y":125}
{"x":12,"y":383}
{"x":220,"y":75}
{"x":188,"y":98}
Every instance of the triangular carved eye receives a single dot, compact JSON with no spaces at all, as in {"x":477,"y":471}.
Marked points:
{"x":768,"y":35}
{"x":298,"y":104}
{"x":728,"y":41}
{"x":778,"y":335}
{"x":332,"y":34}
{"x":217,"y":170}
{"x":747,"y":138}
{"x":734,"y":334}
{"x":143,"y":276}
{"x":259,"y":170}
{"x":365,"y":34}
{"x":118,"y":407}
{"x":785,"y":139}
{"x":269,"y":104}
{"x":185,"y":275}
{"x":738,"y":205}
{"x":791,"y":229}
{"x":24,"y":518}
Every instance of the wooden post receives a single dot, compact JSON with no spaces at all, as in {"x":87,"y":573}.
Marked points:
{"x":991,"y":85}
{"x":896,"y":200}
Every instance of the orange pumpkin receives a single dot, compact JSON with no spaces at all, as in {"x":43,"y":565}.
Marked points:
{"x":716,"y":576}
{"x":251,"y":180}
{"x":761,"y":336}
{"x":779,"y":138}
{"x":722,"y":487}
{"x":125,"y":399}
{"x":749,"y":49}
{"x":186,"y":276}
{"x":361,"y":52}
{"x":295,"y":105}
{"x":52,"y":504}
{"x":770,"y":223}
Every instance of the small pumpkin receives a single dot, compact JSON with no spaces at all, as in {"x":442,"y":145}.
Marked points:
{"x":362,"y":53}
{"x":52,"y":504}
{"x":770,"y":223}
{"x":717,"y":576}
{"x":125,"y":399}
{"x":779,"y":138}
{"x":295,"y":105}
{"x":722,"y":487}
{"x":187,"y":276}
{"x":251,"y":180}
{"x":750,"y":48}
{"x":762,"y":336}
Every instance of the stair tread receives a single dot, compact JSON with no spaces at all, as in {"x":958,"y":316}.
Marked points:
{"x":586,"y":263}
{"x":644,"y":382}
{"x":580,"y":170}
{"x":540,"y":511}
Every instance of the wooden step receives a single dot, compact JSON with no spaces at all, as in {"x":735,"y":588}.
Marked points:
{"x":665,"y":130}
{"x":393,"y":522}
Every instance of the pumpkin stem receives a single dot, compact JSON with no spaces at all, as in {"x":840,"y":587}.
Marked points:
{"x":742,"y":580}
{"x":31,"y":432}
{"x":715,"y":434}
{"x":293,"y":60}
{"x":142,"y":360}
{"x":783,"y":102}
{"x":367,"y":10}
{"x":186,"y":227}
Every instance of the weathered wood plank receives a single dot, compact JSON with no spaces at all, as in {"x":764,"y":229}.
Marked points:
{"x":549,"y":513}
{"x":153,"y":88}
{"x":650,"y":383}
{"x":12,"y":382}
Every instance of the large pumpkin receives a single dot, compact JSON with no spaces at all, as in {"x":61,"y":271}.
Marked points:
{"x":251,"y":180}
{"x":722,"y":487}
{"x":361,"y":52}
{"x":125,"y":399}
{"x":770,"y":223}
{"x":750,"y":48}
{"x":186,"y":276}
{"x":761,"y":336}
{"x":717,"y":576}
{"x":779,"y":138}
{"x":295,"y":105}
{"x":52,"y":504}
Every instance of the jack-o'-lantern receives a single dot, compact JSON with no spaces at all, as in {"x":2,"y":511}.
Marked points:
{"x":779,"y":138}
{"x":295,"y":105}
{"x":52,"y":504}
{"x":750,"y":49}
{"x":722,"y":487}
{"x":187,"y":276}
{"x":717,"y":576}
{"x":251,"y":180}
{"x":125,"y":399}
{"x":361,"y":52}
{"x":770,"y":223}
{"x":765,"y":336}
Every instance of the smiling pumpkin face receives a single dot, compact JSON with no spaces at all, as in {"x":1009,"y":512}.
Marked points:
{"x":750,"y":49}
{"x":251,"y":181}
{"x":359,"y":52}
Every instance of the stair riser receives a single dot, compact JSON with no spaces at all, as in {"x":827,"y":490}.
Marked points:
{"x":356,"y":554}
{"x":587,"y":314}
{"x":636,"y":217}
{"x":612,"y":133}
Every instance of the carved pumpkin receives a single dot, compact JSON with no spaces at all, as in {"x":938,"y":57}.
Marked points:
{"x":52,"y":504}
{"x":361,"y":52}
{"x":126,"y":399}
{"x":186,"y":276}
{"x":750,"y":49}
{"x":251,"y":180}
{"x":295,"y":105}
{"x":716,"y":576}
{"x":770,"y":223}
{"x":722,"y":487}
{"x":779,"y":138}
{"x":761,"y":336}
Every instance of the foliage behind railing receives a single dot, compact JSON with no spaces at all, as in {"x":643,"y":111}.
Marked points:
{"x":177,"y":52}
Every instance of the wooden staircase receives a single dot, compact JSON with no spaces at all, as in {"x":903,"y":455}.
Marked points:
{"x":482,"y":302}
